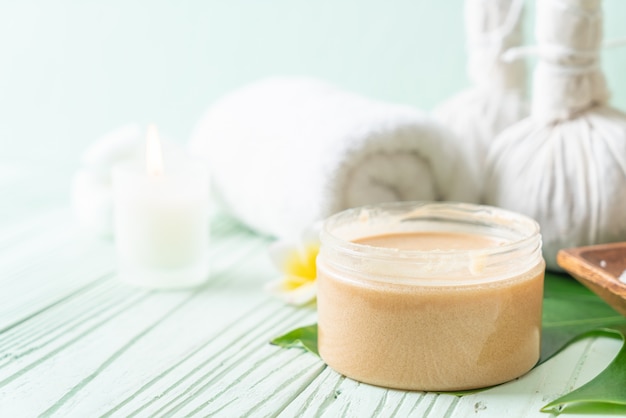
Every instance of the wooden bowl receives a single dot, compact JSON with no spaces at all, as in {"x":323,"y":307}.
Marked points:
{"x":599,"y":268}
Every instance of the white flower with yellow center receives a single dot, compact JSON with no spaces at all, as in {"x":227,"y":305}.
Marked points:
{"x":296,"y":262}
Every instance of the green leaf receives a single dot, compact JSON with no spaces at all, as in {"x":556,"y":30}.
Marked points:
{"x":606,"y":389}
{"x":570,"y":312}
{"x":305,"y":337}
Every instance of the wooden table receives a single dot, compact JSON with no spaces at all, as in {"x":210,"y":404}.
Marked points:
{"x":75,"y":342}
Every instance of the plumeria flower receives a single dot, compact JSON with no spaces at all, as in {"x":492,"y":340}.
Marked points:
{"x":295,"y":259}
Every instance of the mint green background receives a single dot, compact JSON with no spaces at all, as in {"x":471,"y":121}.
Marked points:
{"x":71,"y":70}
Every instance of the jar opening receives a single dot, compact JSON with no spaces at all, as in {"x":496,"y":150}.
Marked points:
{"x":517,"y":236}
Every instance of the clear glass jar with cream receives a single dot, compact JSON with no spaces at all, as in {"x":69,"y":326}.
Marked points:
{"x":430,"y":296}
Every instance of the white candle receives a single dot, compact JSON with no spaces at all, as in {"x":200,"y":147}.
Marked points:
{"x":161,"y":221}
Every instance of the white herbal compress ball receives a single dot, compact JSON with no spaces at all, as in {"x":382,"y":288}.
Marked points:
{"x":565,"y":165}
{"x":496,"y":101}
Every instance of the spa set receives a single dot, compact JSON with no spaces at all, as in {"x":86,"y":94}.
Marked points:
{"x":310,"y":251}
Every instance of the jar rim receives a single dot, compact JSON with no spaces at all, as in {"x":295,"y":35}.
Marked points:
{"x":523,"y":224}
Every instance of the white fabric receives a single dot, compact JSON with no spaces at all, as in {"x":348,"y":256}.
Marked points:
{"x":491,"y":28}
{"x":565,"y":165}
{"x":478,"y":114}
{"x":568,"y":78}
{"x":286,"y":152}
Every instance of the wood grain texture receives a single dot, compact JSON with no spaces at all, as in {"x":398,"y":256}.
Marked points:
{"x":599,"y":268}
{"x":75,"y":342}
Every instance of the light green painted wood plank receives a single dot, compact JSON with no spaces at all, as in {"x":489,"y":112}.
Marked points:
{"x":113,"y":338}
{"x":525,"y":396}
{"x":79,"y":343}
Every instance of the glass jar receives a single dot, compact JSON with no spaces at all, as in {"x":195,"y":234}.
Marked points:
{"x":430,"y":319}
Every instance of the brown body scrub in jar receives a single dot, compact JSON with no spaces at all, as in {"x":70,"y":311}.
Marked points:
{"x":430,"y":296}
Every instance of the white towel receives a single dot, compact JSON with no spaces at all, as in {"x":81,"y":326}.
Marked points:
{"x":286,"y":152}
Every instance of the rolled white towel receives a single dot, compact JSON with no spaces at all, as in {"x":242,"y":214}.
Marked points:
{"x":286,"y":152}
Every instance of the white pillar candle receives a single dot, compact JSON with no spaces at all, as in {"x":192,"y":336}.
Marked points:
{"x":161,"y":221}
